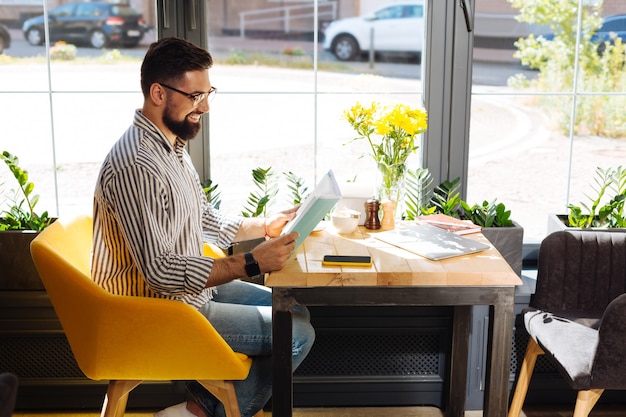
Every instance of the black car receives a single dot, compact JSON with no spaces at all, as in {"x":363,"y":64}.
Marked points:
{"x":94,"y":23}
{"x":5,"y":38}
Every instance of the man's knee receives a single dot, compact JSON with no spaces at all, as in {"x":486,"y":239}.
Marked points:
{"x":303,"y":336}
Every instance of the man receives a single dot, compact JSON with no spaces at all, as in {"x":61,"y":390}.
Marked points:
{"x":151,"y":217}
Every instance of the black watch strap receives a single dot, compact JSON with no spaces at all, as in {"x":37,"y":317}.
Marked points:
{"x":252,"y":266}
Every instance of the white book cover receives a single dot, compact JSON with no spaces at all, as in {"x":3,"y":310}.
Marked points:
{"x":314,"y":207}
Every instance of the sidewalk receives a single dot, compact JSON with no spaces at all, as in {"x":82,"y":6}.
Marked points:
{"x":230,"y":43}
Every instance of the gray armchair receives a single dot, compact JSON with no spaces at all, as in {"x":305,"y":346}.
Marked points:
{"x":577,"y":315}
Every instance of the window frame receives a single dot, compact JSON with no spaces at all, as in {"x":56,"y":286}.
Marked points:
{"x":447,"y":92}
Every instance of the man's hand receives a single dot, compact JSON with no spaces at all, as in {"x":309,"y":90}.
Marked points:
{"x":274,"y":224}
{"x":273,"y":254}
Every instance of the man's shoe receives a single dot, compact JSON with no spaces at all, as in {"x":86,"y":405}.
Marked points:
{"x":178,"y":410}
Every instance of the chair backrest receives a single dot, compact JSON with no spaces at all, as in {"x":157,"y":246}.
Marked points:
{"x":123,"y":337}
{"x":61,"y":254}
{"x":580,"y":271}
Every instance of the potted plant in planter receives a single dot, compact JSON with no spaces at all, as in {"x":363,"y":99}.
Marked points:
{"x":605,"y":209}
{"x":19,"y":224}
{"x":494,"y":219}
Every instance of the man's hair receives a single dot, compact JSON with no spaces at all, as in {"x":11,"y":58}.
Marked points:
{"x":168,"y":59}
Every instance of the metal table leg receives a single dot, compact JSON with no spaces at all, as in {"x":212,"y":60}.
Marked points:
{"x":455,"y":404}
{"x":499,"y":356}
{"x":282,"y":379}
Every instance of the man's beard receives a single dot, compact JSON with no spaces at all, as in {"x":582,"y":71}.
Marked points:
{"x":183,"y":129}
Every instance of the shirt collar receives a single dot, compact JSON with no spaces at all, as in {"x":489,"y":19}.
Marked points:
{"x":146,"y":124}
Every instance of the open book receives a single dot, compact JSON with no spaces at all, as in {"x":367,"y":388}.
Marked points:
{"x":314,"y":207}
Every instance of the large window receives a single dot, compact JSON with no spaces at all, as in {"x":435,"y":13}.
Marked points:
{"x":289,"y":116}
{"x":536,"y":147}
{"x":65,"y":98}
{"x":282,"y":92}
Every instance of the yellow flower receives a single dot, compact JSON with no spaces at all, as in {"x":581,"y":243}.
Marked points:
{"x":382,"y":127}
{"x":390,"y":132}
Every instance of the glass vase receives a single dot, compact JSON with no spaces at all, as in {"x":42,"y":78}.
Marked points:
{"x":391,"y":189}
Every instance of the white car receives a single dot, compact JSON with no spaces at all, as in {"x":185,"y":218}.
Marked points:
{"x":397,"y":28}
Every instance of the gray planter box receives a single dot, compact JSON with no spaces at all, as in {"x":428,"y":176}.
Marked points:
{"x":509,"y":242}
{"x":558,"y":222}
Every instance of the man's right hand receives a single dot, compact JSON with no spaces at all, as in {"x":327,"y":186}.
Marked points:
{"x":273,"y":254}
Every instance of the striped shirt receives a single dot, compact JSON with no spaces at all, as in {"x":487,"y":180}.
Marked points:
{"x":151,"y":217}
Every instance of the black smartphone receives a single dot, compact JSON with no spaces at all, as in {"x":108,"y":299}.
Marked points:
{"x":347,"y":260}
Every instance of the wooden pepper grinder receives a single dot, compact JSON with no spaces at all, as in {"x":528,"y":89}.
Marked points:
{"x":371,"y":214}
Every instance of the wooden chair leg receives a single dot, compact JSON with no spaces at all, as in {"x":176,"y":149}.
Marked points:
{"x":117,"y":397}
{"x":585,"y":400}
{"x":225,"y":392}
{"x":523,"y":379}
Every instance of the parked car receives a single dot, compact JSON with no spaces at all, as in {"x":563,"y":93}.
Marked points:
{"x":96,"y":24}
{"x":5,"y":38}
{"x":397,"y":28}
{"x":613,"y":26}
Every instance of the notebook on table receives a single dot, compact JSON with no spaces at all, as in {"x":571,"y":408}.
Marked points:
{"x":430,"y":241}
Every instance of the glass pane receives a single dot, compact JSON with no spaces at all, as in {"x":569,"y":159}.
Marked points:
{"x":66,"y":100}
{"x":246,"y":138}
{"x":524,"y":149}
{"x":32,"y":71}
{"x":375,"y":29}
{"x":283,"y":89}
{"x":516,"y":158}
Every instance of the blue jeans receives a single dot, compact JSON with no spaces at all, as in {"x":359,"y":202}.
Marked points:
{"x":241,"y":312}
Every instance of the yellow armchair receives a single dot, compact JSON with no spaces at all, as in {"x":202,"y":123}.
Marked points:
{"x":127,"y":340}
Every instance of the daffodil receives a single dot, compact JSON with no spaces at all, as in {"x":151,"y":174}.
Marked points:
{"x":391,"y":133}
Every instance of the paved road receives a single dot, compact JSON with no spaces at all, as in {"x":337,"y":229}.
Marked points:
{"x":491,"y":67}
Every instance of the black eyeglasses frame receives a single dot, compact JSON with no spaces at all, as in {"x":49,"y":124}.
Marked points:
{"x":197,"y":98}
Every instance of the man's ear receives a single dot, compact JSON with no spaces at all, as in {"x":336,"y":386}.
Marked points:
{"x":157,"y":94}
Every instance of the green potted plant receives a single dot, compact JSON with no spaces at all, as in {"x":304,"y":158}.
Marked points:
{"x":604,"y":209}
{"x":492,"y":216}
{"x":19,"y":224}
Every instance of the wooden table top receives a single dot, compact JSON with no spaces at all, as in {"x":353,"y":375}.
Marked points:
{"x":391,"y":266}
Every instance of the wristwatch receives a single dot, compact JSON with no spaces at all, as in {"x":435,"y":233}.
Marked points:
{"x":252,"y":266}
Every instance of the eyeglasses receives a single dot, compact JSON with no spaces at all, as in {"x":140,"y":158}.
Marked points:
{"x":196,"y":97}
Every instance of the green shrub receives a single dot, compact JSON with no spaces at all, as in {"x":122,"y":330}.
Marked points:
{"x":601,"y":68}
{"x":606,"y":205}
{"x":62,"y":51}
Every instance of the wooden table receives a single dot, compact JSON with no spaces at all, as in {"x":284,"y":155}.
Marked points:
{"x":399,"y":278}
